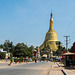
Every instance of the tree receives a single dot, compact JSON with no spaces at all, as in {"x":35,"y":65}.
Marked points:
{"x":32,"y":47}
{"x":72,"y":49}
{"x":30,"y":53}
{"x":2,"y":55}
{"x":36,"y":48}
{"x":8,"y":46}
{"x":20,"y":50}
{"x":60,"y":49}
{"x":1,"y":46}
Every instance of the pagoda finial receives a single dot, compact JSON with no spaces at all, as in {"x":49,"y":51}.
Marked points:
{"x":51,"y":29}
{"x":51,"y":14}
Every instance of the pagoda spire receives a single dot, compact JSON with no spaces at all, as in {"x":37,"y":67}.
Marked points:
{"x":50,"y":38}
{"x":51,"y":28}
{"x":51,"y":14}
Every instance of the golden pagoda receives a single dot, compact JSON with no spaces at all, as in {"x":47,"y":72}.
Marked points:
{"x":51,"y":38}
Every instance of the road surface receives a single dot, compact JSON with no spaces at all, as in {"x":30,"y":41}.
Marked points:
{"x":39,"y":68}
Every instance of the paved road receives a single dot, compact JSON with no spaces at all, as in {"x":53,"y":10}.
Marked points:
{"x":3,"y":65}
{"x":40,"y":68}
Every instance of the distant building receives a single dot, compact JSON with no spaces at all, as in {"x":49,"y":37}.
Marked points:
{"x":1,"y":50}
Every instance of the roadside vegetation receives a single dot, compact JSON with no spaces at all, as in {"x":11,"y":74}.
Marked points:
{"x":17,"y":50}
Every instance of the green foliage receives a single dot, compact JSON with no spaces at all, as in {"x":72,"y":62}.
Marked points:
{"x":20,"y":50}
{"x":60,"y":49}
{"x":21,"y":59}
{"x":1,"y":46}
{"x":11,"y":55}
{"x":36,"y":48}
{"x":2,"y":55}
{"x":33,"y":58}
{"x":8,"y":46}
{"x":11,"y":60}
{"x":32,"y":47}
{"x":30,"y":52}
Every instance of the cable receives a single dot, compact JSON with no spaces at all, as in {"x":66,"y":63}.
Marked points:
{"x":72,"y":31}
{"x":70,"y":26}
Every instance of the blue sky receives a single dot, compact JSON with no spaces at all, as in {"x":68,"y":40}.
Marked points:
{"x":28,"y":20}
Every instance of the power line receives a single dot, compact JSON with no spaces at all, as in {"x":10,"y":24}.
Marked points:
{"x":72,"y":32}
{"x":67,"y":42}
{"x":73,"y":38}
{"x":70,"y":27}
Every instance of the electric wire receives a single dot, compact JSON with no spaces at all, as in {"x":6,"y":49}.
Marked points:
{"x":70,"y":31}
{"x":70,"y":27}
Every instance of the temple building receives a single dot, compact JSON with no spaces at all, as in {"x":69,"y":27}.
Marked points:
{"x":50,"y":38}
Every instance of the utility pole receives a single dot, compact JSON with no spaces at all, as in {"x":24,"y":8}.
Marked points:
{"x":67,"y":42}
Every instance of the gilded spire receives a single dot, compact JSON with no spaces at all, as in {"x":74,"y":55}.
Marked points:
{"x":51,"y":24}
{"x":51,"y":14}
{"x":51,"y":37}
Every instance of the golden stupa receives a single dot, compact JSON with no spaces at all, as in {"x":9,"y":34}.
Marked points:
{"x":51,"y":38}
